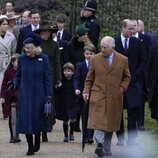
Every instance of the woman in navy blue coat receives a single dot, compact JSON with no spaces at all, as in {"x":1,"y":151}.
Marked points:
{"x":33,"y":80}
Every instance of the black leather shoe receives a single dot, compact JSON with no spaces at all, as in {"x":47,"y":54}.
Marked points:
{"x":30,"y":152}
{"x":99,"y":150}
{"x":107,"y":152}
{"x":141,"y":128}
{"x":77,"y":129}
{"x":44,"y":139}
{"x":120,"y":143}
{"x":36,"y":148}
{"x":71,"y":137}
{"x":90,"y":141}
{"x":66,"y":139}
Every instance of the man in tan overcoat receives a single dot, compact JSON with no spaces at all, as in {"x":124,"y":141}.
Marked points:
{"x":106,"y":81}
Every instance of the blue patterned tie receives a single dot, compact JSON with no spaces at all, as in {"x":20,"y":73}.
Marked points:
{"x":125,"y":45}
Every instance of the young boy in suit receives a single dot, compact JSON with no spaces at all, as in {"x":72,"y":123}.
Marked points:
{"x":79,"y":78}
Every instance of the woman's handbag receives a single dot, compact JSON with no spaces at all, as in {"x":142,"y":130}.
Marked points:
{"x":48,"y":108}
{"x":48,"y":111}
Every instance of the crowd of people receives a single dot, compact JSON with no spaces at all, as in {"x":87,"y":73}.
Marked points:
{"x":41,"y":62}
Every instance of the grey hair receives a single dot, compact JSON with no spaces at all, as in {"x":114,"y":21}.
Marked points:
{"x":109,"y":40}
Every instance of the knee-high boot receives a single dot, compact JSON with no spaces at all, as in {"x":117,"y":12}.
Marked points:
{"x":37,"y":142}
{"x":44,"y":137}
{"x":29,"y":139}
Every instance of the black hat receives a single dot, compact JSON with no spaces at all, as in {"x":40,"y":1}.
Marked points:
{"x":91,"y":5}
{"x":81,"y":30}
{"x":32,"y":38}
{"x":47,"y":25}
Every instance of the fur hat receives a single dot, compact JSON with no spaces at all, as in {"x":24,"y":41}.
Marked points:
{"x":81,"y":30}
{"x":32,"y":38}
{"x":91,"y":5}
{"x":12,"y":16}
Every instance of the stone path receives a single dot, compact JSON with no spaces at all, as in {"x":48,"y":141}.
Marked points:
{"x":56,"y":148}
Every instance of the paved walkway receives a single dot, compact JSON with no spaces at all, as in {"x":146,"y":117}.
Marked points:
{"x":56,"y":148}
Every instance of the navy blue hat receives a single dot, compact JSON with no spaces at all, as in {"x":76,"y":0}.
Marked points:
{"x":91,"y":5}
{"x":32,"y":38}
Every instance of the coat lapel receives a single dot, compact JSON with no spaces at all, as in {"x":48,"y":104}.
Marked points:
{"x":104,"y":63}
{"x":5,"y":41}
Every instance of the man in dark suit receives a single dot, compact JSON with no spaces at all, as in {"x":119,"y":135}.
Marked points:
{"x":132,"y":48}
{"x":146,"y":41}
{"x":141,"y":29}
{"x":35,"y":20}
{"x":62,"y":36}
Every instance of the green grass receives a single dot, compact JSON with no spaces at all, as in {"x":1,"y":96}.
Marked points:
{"x":150,"y":124}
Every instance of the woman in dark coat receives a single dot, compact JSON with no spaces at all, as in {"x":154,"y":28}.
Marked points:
{"x":33,"y":80}
{"x":50,"y":48}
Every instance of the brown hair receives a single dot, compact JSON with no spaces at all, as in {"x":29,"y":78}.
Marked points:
{"x":34,"y":11}
{"x":90,"y":47}
{"x":68,"y":65}
{"x":13,"y":58}
{"x":61,"y":18}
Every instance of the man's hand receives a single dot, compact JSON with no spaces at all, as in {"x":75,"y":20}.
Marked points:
{"x":77,"y":92}
{"x":86,"y":97}
{"x":121,"y":90}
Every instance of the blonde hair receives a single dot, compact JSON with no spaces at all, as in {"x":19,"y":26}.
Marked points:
{"x":36,"y":49}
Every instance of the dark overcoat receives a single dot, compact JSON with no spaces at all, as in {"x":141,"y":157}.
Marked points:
{"x":153,"y":73}
{"x":74,"y":51}
{"x":93,"y":25}
{"x":33,"y":79}
{"x":51,"y":48}
{"x":22,"y":33}
{"x":137,"y":66}
{"x":66,"y":101}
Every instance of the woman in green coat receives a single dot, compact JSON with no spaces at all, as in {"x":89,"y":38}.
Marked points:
{"x":51,"y":48}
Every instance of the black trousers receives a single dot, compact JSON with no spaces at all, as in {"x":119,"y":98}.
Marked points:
{"x":132,"y":114}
